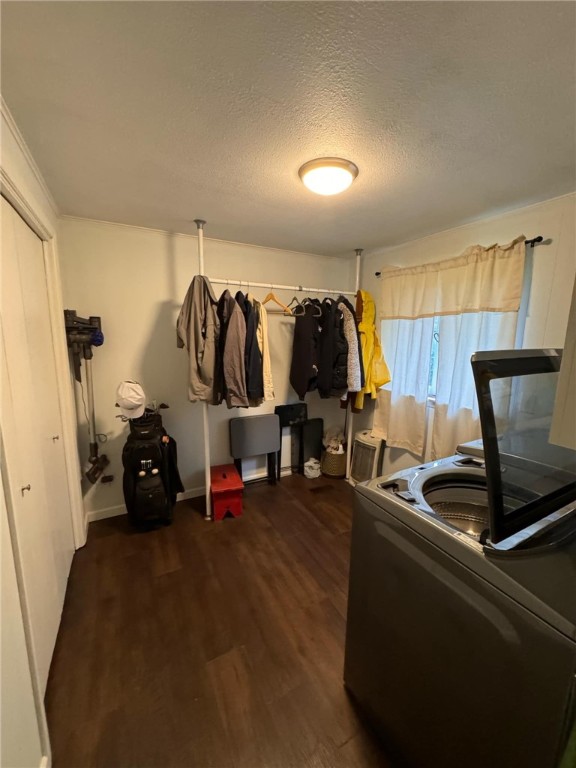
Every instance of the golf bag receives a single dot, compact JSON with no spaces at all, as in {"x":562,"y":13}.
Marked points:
{"x":151,"y":479}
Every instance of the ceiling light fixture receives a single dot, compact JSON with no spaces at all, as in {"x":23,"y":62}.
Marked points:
{"x":328,"y":175}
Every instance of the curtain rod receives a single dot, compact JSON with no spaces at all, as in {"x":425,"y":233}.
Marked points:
{"x":271,"y":286}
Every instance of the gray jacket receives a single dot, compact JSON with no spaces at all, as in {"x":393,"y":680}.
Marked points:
{"x":198,"y":329}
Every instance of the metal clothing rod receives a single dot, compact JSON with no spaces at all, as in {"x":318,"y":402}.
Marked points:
{"x":205,"y":423}
{"x":272,"y":286}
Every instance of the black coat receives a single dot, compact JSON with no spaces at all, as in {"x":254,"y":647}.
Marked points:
{"x":252,"y":354}
{"x":333,"y":352}
{"x":304,"y":367}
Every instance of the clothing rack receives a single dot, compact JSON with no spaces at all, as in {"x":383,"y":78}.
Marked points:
{"x":272,"y":286}
{"x":205,"y":422}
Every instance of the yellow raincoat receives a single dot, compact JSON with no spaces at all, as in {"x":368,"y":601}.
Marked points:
{"x":376,"y":371}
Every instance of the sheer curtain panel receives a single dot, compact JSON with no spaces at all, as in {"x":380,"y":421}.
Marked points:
{"x":400,"y":414}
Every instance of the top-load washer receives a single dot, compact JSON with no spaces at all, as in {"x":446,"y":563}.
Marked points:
{"x":461,"y":632}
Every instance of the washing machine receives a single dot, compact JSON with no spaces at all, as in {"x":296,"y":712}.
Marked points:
{"x":461,"y":629}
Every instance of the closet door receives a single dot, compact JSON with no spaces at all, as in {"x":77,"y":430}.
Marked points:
{"x":30,"y":421}
{"x":48,"y":414}
{"x":20,"y":745}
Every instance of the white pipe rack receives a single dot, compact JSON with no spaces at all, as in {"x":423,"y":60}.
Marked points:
{"x":275,"y":286}
{"x":271,"y":286}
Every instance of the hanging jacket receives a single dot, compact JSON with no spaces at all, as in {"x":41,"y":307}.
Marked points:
{"x":266,"y":364}
{"x":230,"y":377}
{"x":354,"y":378}
{"x":304,"y":366}
{"x":252,"y":355}
{"x":263,"y":346}
{"x":333,"y":352}
{"x":344,"y":300}
{"x":375,"y":369}
{"x":197,"y":329}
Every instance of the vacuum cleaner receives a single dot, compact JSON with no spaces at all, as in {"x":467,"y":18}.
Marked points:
{"x":82,"y":334}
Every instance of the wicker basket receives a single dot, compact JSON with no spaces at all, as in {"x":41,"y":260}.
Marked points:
{"x":333,"y":464}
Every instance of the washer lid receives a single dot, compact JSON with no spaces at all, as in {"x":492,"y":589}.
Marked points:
{"x":528,"y":477}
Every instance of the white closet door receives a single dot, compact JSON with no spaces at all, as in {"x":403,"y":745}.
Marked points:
{"x":20,"y":745}
{"x":49,"y":417}
{"x":30,"y":416}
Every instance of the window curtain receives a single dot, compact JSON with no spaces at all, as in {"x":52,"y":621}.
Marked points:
{"x":476,"y":298}
{"x":456,"y":418}
{"x":400,"y":413}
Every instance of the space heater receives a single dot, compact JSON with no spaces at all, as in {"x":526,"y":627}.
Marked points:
{"x":367,"y":455}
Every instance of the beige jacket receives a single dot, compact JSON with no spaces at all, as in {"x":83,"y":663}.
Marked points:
{"x":262,"y":338}
{"x":197,"y":329}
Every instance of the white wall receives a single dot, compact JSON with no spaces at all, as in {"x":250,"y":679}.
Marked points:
{"x":552,"y":267}
{"x":136,"y":280}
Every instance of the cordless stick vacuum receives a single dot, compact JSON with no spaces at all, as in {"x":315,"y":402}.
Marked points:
{"x":82,"y":334}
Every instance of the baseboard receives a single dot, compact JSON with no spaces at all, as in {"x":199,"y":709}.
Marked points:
{"x":102,"y":514}
{"x":120,"y":509}
{"x":262,"y":475}
{"x":191,"y":493}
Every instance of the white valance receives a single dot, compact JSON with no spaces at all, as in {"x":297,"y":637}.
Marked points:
{"x":480,"y":280}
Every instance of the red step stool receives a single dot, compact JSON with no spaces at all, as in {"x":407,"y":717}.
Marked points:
{"x":226,"y":486}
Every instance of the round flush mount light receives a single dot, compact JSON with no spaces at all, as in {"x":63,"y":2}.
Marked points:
{"x":328,"y":175}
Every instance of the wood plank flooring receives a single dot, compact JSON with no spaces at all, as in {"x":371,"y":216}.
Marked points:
{"x":212,"y":645}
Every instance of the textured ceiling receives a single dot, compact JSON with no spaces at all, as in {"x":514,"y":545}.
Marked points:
{"x":155,"y":113}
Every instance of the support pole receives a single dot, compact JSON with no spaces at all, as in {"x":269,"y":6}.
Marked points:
{"x":206,"y":426}
{"x":350,"y":415}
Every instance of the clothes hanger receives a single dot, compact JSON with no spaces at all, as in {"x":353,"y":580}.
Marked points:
{"x":317,"y":307}
{"x":272,"y":297}
{"x":300,"y":308}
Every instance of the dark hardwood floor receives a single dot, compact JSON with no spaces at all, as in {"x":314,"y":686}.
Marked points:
{"x":212,"y":644}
